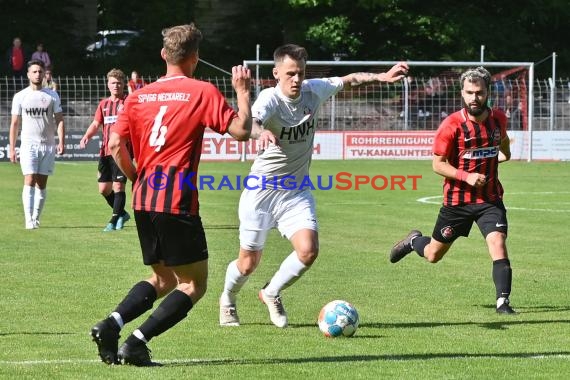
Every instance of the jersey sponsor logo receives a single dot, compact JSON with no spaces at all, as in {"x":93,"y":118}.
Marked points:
{"x":298,"y":132}
{"x":468,"y":138}
{"x":36,"y":111}
{"x":110,"y":119}
{"x":475,"y":154}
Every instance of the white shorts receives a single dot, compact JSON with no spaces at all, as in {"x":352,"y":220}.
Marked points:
{"x":37,"y":159}
{"x":261,"y":210}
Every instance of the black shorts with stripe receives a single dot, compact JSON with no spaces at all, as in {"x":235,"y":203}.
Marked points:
{"x":109,"y":171}
{"x":455,"y":221}
{"x":171,"y":239}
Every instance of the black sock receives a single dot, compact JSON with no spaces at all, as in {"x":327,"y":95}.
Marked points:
{"x":419,"y":243}
{"x":172,"y":310}
{"x":502,"y":277}
{"x":118,"y":206}
{"x":139,"y":299}
{"x":110,"y":198}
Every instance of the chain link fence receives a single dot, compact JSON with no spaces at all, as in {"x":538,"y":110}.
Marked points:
{"x":413,"y":104}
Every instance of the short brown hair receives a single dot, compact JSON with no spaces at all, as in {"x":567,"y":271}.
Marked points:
{"x":180,"y":41}
{"x":117,"y":74}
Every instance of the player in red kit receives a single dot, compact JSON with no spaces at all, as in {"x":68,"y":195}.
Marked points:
{"x":110,"y":178}
{"x":165,"y":123}
{"x":468,"y":147}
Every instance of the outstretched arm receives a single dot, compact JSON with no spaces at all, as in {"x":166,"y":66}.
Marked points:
{"x":396,"y":73}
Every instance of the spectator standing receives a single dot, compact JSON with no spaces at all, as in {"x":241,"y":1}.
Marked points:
{"x":135,"y":82}
{"x":17,"y":58}
{"x":49,"y":82}
{"x":41,"y":55}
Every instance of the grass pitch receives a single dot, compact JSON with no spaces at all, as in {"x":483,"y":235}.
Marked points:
{"x":418,"y":320}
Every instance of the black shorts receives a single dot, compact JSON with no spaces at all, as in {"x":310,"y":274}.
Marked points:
{"x":109,"y":171}
{"x":456,"y":221}
{"x":173,"y":239}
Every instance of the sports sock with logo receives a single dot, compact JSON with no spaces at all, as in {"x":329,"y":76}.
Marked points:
{"x":502,"y":277}
{"x":118,"y":206}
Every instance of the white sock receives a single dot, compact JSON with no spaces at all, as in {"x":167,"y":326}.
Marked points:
{"x":232,"y":285}
{"x":501,"y":300}
{"x":118,"y":318}
{"x":39,"y":201}
{"x":291,"y":270}
{"x":28,"y":201}
{"x":140,"y":335}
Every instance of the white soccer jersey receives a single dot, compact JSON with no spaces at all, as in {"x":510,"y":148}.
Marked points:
{"x":37,"y":109}
{"x":293,"y":122}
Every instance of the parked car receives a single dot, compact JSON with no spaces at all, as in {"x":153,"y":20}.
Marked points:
{"x":110,"y":42}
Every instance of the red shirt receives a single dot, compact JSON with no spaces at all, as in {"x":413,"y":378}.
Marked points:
{"x":474,"y":148}
{"x":17,"y":59}
{"x":165,"y":122}
{"x":106,"y":114}
{"x":136,"y":85}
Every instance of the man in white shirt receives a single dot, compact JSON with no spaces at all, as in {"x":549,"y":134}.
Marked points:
{"x":284,"y":121}
{"x":38,"y":111}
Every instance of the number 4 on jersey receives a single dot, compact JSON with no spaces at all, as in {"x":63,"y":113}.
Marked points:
{"x":158,"y":132}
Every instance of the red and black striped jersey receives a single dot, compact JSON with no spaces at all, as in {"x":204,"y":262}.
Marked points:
{"x":165,"y":123}
{"x":474,"y":148}
{"x":106,"y":114}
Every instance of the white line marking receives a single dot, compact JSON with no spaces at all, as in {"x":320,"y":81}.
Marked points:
{"x":436,"y":200}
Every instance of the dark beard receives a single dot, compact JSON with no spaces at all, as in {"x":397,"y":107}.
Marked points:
{"x":478,"y":111}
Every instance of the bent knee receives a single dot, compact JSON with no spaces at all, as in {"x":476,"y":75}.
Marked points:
{"x":248,"y":261}
{"x":308,"y":257}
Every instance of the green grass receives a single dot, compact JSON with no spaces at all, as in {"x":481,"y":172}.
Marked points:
{"x":418,"y":320}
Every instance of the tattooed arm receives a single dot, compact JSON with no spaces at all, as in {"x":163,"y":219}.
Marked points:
{"x":397,"y":72}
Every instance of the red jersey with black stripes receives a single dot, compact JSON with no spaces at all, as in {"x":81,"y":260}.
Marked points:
{"x":473,"y":147}
{"x":165,"y":122}
{"x":106,"y":115}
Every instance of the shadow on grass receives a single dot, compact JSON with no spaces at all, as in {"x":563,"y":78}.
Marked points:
{"x":34,"y":333}
{"x":491,"y":325}
{"x":206,"y":227}
{"x":502,"y":322}
{"x":368,"y":358}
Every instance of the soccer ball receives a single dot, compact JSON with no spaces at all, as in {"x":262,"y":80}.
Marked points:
{"x":338,"y":318}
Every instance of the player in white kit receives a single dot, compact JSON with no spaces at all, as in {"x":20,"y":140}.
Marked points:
{"x":284,"y":123}
{"x":38,"y":111}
